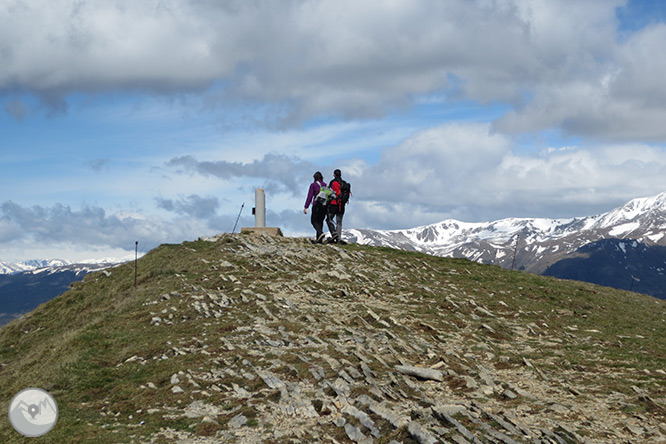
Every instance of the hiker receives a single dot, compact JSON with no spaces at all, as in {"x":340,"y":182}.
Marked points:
{"x":318,"y":209}
{"x":336,"y":209}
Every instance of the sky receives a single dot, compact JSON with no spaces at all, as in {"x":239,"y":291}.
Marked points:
{"x":153,"y":121}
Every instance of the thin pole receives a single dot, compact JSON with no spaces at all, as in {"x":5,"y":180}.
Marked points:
{"x":136,"y":259}
{"x":515,"y":251}
{"x":239,"y":213}
{"x":633,"y":279}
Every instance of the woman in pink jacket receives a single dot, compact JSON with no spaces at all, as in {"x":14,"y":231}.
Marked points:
{"x":318,"y":210}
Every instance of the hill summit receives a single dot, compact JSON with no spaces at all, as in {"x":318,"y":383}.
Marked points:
{"x":258,"y":339}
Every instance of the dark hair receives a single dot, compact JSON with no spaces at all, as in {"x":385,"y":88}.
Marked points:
{"x":337,"y":173}
{"x":318,"y":176}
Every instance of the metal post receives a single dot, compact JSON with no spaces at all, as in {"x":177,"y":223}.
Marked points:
{"x":136,"y":259}
{"x":515,"y":251}
{"x":633,"y":279}
{"x":239,"y":214}
{"x":260,"y":208}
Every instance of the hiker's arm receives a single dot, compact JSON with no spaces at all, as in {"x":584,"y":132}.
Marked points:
{"x":308,"y":199}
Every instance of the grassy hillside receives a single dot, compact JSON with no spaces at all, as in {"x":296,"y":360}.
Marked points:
{"x":246,"y":338}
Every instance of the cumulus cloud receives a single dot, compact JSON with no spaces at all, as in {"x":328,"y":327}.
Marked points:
{"x":468,"y":172}
{"x":280,"y":173}
{"x":556,"y":63}
{"x":617,"y":94}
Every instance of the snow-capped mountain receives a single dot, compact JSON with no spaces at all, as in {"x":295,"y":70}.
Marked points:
{"x":54,"y":265}
{"x":9,"y":268}
{"x":531,"y":244}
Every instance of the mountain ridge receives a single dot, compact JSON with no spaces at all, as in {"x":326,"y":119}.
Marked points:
{"x":531,"y":244}
{"x":29,"y":265}
{"x":40,"y":265}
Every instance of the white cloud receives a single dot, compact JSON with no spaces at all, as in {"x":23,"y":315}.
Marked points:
{"x":558,"y":63}
{"x":614,"y":93}
{"x":465,"y":171}
{"x":642,"y":65}
{"x":427,"y":167}
{"x":91,"y":227}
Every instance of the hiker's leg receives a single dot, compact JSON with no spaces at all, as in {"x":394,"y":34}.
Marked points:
{"x":329,"y":222}
{"x":338,"y":223}
{"x":313,"y":219}
{"x":318,"y":215}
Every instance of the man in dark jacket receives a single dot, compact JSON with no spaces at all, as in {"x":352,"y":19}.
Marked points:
{"x":336,"y":209}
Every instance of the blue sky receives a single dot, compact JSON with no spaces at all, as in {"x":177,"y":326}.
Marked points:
{"x":153,"y":121}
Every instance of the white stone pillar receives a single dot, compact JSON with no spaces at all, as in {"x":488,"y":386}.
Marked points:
{"x":259,"y":208}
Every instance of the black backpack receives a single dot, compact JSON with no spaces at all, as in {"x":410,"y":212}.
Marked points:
{"x":345,"y":192}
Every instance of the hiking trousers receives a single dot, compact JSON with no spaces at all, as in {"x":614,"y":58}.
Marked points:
{"x":334,"y":221}
{"x":317,"y":218}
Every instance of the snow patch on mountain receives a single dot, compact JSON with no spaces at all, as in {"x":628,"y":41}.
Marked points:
{"x":623,"y":229}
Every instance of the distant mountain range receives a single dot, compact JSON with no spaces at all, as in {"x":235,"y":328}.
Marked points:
{"x":624,"y":248}
{"x":10,"y":268}
{"x":25,"y":285}
{"x":38,"y":266}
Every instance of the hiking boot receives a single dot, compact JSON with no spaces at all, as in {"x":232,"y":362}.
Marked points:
{"x":320,"y":239}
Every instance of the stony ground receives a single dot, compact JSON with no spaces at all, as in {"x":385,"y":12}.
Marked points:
{"x":275,"y":340}
{"x":343,"y":353}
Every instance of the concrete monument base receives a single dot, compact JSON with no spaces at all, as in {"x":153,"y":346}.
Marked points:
{"x":271,"y":231}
